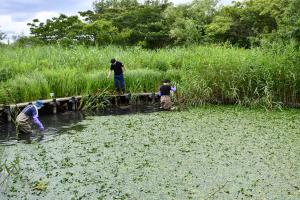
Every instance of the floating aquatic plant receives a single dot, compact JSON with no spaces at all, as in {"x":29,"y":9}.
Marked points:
{"x":205,"y":153}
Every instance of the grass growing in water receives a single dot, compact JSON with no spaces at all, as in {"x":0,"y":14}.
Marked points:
{"x":95,"y":101}
{"x":202,"y":73}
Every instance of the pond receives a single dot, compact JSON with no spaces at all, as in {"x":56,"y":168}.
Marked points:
{"x":58,"y":124}
{"x":203,"y":153}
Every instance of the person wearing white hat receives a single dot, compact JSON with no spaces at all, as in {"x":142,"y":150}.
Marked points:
{"x":28,"y":114}
{"x":164,"y":93}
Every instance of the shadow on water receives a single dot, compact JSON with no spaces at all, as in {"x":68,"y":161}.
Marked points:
{"x":64,"y":122}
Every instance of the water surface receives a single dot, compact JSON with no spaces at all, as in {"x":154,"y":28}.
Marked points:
{"x":203,"y":153}
{"x":59,"y":123}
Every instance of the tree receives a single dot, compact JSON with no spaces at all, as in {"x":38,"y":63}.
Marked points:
{"x":158,"y":23}
{"x":290,"y":26}
{"x":101,"y":5}
{"x":138,"y":24}
{"x":88,"y":16}
{"x":218,"y":30}
{"x":241,"y":23}
{"x":2,"y":35}
{"x":188,"y":21}
{"x":57,"y":28}
{"x":100,"y":32}
{"x":185,"y":31}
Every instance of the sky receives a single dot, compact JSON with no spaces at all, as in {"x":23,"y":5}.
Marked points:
{"x":15,"y":14}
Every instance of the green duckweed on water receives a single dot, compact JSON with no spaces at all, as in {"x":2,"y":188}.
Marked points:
{"x":1,"y":151}
{"x":203,"y":153}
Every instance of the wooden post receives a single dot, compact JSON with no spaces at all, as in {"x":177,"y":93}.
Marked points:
{"x":7,"y":110}
{"x":54,"y":106}
{"x":73,"y":103}
{"x":116,"y":100}
{"x":128,"y":98}
{"x":146,"y":99}
{"x":153,"y":98}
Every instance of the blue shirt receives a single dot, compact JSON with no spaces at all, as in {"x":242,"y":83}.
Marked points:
{"x":30,"y":111}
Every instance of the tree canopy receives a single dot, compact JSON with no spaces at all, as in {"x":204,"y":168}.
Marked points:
{"x":159,"y":23}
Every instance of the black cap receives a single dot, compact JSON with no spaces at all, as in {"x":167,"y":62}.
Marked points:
{"x":113,"y":60}
{"x":166,"y":81}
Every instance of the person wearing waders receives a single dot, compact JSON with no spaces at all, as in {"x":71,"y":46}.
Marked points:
{"x":164,"y":93}
{"x":118,"y":69}
{"x":29,"y":114}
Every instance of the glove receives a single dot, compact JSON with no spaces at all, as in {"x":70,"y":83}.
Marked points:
{"x":173,"y":89}
{"x":38,"y":123}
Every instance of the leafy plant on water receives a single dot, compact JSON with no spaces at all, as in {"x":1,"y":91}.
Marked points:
{"x":95,"y":101}
{"x":39,"y":186}
{"x":7,"y":169}
{"x":134,"y":98}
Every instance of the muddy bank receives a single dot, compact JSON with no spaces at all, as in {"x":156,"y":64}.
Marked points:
{"x":216,"y":152}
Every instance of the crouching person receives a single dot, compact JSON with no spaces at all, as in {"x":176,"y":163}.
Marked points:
{"x":29,"y":113}
{"x":164,"y":93}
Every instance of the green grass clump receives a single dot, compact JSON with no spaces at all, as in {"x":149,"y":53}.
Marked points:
{"x":219,"y":74}
{"x":25,"y":87}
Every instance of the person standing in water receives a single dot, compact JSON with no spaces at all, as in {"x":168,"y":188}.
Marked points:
{"x":164,"y":93}
{"x":29,"y":114}
{"x":118,"y":69}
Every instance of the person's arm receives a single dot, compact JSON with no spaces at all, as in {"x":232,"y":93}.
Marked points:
{"x":123,"y":66}
{"x":38,"y":123}
{"x":109,"y":73}
{"x":159,"y":92}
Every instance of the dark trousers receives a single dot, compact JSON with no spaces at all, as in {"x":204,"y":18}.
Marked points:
{"x":119,"y":82}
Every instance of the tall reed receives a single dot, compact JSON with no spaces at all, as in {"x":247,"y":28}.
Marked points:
{"x":218,"y":74}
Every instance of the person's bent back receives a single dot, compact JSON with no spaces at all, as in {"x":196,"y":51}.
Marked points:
{"x":164,"y":93}
{"x":29,"y":113}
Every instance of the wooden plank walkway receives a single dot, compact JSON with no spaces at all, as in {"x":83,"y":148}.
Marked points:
{"x":49,"y":101}
{"x":55,"y":102}
{"x":46,"y":101}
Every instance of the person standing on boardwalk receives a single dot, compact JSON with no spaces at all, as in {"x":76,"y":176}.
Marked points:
{"x":29,"y":113}
{"x":164,"y":93}
{"x":118,"y":69}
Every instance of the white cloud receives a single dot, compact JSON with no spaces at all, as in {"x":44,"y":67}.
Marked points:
{"x":15,"y":14}
{"x":44,"y":15}
{"x":11,"y":27}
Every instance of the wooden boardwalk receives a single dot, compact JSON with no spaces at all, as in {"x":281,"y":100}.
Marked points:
{"x":74,"y":101}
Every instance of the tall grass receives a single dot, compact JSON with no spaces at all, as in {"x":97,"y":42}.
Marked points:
{"x":221,"y":74}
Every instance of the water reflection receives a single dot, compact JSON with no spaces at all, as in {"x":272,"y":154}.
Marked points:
{"x":60,"y":123}
{"x":52,"y":124}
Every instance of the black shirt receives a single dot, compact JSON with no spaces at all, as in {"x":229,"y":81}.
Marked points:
{"x":165,"y":90}
{"x":117,"y":67}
